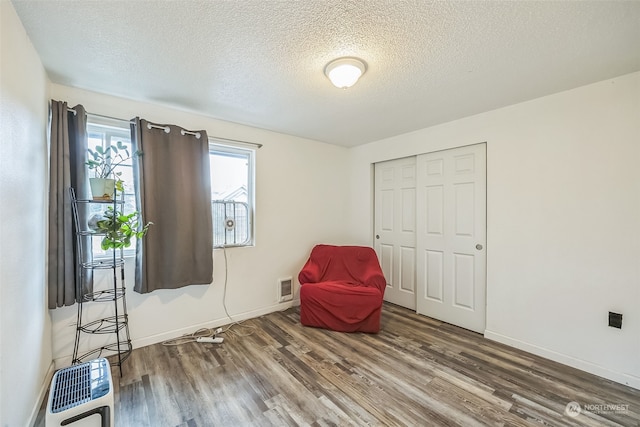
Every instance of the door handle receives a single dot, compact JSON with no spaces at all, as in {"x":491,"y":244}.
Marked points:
{"x":479,"y":247}
{"x":377,"y":236}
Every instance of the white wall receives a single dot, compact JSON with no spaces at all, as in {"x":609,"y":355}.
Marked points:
{"x":300,"y":201}
{"x":25,"y":327}
{"x":563,"y":220}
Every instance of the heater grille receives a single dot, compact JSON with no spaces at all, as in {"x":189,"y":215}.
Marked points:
{"x":285,"y":289}
{"x":72,"y":388}
{"x":80,"y":394}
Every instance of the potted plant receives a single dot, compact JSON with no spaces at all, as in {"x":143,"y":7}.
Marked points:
{"x":119,"y":229}
{"x":104,"y":161}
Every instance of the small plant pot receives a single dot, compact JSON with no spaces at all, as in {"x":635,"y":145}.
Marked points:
{"x":102,"y":188}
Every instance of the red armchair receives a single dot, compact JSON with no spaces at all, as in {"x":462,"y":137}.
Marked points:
{"x":341,"y":288}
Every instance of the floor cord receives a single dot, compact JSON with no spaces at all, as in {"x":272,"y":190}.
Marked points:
{"x":211,"y":332}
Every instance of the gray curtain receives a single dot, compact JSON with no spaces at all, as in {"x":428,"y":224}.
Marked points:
{"x":68,"y":146}
{"x":173,"y":192}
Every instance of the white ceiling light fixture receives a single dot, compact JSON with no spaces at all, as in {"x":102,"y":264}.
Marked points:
{"x":345,"y":72}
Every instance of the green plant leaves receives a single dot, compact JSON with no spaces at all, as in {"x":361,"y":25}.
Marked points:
{"x":106,"y":160}
{"x":120,"y":229}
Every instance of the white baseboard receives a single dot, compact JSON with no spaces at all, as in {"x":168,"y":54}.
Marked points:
{"x":619,"y":377}
{"x":175,"y":333}
{"x":44,"y":388}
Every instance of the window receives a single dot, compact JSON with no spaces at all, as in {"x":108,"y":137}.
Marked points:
{"x":232,"y":194}
{"x":104,"y":133}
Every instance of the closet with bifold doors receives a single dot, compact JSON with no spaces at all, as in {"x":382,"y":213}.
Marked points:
{"x":430,"y":233}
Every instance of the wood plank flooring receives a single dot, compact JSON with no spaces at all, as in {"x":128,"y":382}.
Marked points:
{"x":272,"y":371}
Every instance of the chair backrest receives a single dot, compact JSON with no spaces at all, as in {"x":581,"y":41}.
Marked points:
{"x":345,"y":263}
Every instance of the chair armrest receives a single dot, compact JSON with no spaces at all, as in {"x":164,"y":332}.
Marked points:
{"x":376,"y":280}
{"x":310,"y":273}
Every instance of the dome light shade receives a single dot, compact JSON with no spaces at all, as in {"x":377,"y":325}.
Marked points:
{"x":345,"y":72}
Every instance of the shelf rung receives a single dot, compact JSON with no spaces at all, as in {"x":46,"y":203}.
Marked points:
{"x":101,"y":202}
{"x":108,"y":325}
{"x":104,"y":264}
{"x":125,"y":351}
{"x":104,"y":296}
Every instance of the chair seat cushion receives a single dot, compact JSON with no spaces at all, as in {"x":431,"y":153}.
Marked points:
{"x":340,"y":306}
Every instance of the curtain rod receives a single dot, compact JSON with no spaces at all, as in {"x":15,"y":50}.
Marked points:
{"x":71,"y":110}
{"x":237,"y":141}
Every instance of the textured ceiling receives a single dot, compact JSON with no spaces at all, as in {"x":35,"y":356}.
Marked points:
{"x":260,"y":62}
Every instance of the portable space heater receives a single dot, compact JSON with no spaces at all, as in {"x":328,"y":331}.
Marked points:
{"x":81,"y":395}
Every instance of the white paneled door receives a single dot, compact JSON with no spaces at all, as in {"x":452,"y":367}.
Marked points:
{"x":395,"y":228}
{"x":451,"y":236}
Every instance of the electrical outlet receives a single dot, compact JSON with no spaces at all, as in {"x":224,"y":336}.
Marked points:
{"x":615,"y":320}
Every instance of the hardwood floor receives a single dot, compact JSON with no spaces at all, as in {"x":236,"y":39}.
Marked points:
{"x":415,"y":372}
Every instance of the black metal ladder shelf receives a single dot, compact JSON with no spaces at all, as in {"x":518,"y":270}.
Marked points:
{"x":118,"y":323}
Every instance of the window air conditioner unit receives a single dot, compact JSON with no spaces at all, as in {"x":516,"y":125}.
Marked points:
{"x":81,"y":395}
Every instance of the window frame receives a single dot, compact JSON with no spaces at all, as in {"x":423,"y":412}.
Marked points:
{"x":112,"y":129}
{"x":219,"y":146}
